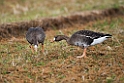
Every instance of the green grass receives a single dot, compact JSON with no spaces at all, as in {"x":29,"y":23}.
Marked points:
{"x":28,"y":10}
{"x":59,"y":63}
{"x":59,"y":59}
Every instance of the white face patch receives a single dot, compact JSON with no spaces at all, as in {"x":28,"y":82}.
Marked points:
{"x":54,"y":39}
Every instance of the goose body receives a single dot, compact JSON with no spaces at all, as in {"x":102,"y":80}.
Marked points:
{"x":35,"y":36}
{"x":84,"y":39}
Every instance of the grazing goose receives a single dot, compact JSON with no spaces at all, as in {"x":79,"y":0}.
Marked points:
{"x":34,"y":36}
{"x":83,"y":39}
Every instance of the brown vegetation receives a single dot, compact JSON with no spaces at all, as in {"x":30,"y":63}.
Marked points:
{"x":19,"y":28}
{"x":59,"y":63}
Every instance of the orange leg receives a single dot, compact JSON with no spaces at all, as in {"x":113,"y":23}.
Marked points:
{"x":84,"y":54}
{"x":32,"y":49}
{"x":42,"y":48}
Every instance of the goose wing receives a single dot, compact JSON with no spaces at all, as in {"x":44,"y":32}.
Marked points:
{"x":80,"y":40}
{"x":92,"y":34}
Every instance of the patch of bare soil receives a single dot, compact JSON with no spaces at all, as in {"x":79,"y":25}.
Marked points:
{"x":19,"y":28}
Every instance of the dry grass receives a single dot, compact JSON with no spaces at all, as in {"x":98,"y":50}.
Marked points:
{"x":21,"y":10}
{"x":59,"y":63}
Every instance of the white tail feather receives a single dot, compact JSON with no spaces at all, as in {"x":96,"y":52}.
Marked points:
{"x":99,"y":40}
{"x":35,"y":47}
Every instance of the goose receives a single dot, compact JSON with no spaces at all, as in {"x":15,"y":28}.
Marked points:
{"x":35,"y":36}
{"x":83,"y":39}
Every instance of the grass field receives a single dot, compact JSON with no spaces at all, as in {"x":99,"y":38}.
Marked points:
{"x":21,"y":10}
{"x":59,"y":64}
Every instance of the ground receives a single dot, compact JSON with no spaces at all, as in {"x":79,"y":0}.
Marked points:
{"x":58,"y":64}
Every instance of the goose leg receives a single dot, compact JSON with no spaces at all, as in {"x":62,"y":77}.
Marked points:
{"x":32,"y":49}
{"x":83,"y":55}
{"x":42,"y":48}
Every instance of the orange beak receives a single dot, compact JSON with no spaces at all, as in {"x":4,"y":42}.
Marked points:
{"x":52,"y":40}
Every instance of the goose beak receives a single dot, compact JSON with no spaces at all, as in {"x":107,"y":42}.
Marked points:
{"x":52,"y":40}
{"x":35,"y":48}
